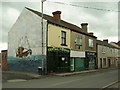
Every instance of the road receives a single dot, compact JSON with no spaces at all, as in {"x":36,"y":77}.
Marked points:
{"x":88,"y":80}
{"x":115,"y":85}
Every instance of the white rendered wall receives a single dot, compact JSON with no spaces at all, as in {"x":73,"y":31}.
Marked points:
{"x":28,"y":24}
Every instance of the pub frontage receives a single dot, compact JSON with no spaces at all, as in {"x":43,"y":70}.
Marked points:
{"x":90,"y":61}
{"x":58,"y":60}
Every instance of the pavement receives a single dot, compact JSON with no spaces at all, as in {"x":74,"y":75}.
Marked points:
{"x":13,"y":75}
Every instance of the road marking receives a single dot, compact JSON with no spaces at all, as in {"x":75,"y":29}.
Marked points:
{"x":109,"y":85}
{"x":16,"y":80}
{"x":66,"y":82}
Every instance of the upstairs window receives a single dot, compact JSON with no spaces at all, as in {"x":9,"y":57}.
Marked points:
{"x":111,"y":51}
{"x":103,"y":50}
{"x":90,"y":42}
{"x":78,"y":40}
{"x":63,"y":38}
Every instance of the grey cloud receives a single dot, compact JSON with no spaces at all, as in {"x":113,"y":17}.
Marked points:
{"x":100,"y":22}
{"x":6,"y":22}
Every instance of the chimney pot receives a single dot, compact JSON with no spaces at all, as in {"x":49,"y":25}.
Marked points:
{"x":91,"y":33}
{"x":105,"y":40}
{"x":84,"y":24}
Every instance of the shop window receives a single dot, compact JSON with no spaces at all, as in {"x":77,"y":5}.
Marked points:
{"x":63,"y":38}
{"x":78,"y":40}
{"x":114,"y":61}
{"x":111,"y":61}
{"x":90,"y":43}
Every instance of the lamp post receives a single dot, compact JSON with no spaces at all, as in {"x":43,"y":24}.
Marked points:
{"x":42,"y":24}
{"x":42,"y":36}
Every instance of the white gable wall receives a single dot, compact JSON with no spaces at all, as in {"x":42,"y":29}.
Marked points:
{"x":28,"y":24}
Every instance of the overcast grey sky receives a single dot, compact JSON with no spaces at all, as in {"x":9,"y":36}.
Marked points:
{"x":103,"y":23}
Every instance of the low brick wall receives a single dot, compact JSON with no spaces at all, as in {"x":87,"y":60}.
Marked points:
{"x":4,"y":60}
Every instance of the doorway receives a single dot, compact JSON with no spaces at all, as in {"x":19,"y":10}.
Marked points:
{"x":100,"y":62}
{"x":109,"y":63}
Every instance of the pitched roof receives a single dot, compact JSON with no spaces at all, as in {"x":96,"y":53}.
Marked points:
{"x":61,"y":23}
{"x":105,"y":44}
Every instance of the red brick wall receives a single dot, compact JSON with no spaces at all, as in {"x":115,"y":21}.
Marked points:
{"x":4,"y":60}
{"x":0,"y":60}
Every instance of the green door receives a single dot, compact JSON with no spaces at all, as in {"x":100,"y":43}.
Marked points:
{"x":79,"y":64}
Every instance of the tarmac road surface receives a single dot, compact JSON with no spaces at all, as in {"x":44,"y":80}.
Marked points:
{"x":88,"y":80}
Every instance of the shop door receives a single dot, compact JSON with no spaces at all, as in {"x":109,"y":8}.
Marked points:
{"x":100,"y":62}
{"x":72,"y":64}
{"x":108,"y":62}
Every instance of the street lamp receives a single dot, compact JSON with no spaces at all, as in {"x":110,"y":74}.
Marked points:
{"x":42,"y":24}
{"x":42,"y":36}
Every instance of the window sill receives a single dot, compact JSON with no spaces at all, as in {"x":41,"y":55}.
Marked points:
{"x":64,"y":45}
{"x":103,"y":52}
{"x":91,"y":47}
{"x":78,"y":44}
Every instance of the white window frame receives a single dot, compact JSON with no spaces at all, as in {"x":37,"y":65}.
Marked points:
{"x":78,"y":40}
{"x":103,"y":50}
{"x":63,"y":37}
{"x":90,"y":43}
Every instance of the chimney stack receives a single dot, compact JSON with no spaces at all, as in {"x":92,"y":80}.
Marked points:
{"x":118,"y":43}
{"x":105,"y":40}
{"x":57,"y":15}
{"x":91,"y":33}
{"x":84,"y":26}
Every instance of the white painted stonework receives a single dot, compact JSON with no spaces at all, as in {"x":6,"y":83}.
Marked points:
{"x":77,"y":53}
